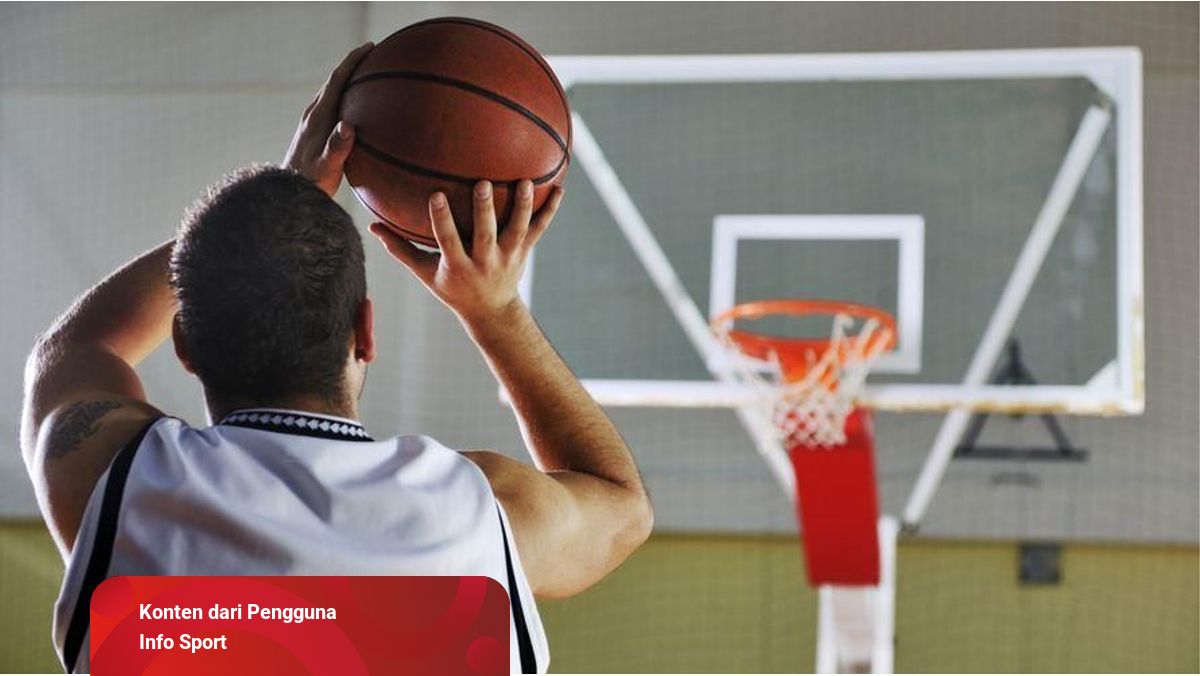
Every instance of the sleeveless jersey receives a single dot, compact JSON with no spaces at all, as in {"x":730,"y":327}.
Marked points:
{"x":276,"y":492}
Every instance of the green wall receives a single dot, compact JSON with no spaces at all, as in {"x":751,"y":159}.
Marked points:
{"x":30,"y":573}
{"x":738,"y":604}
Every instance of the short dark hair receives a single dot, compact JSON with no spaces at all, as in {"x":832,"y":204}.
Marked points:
{"x":269,"y":275}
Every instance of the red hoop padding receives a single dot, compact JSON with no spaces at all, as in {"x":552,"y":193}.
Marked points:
{"x":795,"y":355}
{"x":838,"y":507}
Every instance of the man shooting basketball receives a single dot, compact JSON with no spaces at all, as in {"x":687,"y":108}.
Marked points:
{"x":264,"y":294}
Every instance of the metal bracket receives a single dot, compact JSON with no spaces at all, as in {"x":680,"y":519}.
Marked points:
{"x":1014,"y":372}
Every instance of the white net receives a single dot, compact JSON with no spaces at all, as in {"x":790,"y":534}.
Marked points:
{"x":808,"y":402}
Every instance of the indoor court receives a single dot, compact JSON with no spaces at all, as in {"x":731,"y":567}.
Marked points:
{"x":1001,"y":199}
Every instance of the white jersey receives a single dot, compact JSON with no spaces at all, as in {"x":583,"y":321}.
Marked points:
{"x":274,"y":492}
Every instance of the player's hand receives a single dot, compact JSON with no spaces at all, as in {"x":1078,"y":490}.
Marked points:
{"x":321,"y":143}
{"x":481,"y":285}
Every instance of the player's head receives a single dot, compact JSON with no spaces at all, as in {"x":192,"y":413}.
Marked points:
{"x":272,"y":290}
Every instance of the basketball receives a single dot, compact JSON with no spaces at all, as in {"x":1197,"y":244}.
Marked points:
{"x":443,"y":104}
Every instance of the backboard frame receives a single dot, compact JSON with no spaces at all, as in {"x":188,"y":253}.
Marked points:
{"x":1118,"y":389}
{"x":906,"y":230}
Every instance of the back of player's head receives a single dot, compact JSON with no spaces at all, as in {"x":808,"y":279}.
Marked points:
{"x":269,"y":275}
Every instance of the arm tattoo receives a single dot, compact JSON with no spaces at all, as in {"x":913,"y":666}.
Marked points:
{"x":79,"y":422}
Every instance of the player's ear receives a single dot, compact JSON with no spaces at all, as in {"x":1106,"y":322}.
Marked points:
{"x":180,"y":346}
{"x":364,"y":332}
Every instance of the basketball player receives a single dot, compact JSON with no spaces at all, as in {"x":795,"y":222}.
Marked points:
{"x":264,"y":293}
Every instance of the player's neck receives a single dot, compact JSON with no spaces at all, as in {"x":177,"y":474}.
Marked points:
{"x":218,"y":409}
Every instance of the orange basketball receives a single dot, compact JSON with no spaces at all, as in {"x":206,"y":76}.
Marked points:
{"x":443,"y":104}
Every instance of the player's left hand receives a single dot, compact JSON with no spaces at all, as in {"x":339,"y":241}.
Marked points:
{"x":322,"y":143}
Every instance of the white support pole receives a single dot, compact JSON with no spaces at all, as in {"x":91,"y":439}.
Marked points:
{"x":883,"y":651}
{"x":856,"y":626}
{"x":1049,"y":220}
{"x":591,"y":158}
{"x":827,"y":642}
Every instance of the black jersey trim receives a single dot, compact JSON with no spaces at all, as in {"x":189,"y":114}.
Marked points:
{"x":102,"y":547}
{"x":524,"y":643}
{"x":293,"y":422}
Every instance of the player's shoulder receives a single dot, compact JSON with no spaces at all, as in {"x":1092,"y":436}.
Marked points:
{"x":92,"y":426}
{"x":76,"y":443}
{"x":427,"y":449}
{"x":425,"y":457}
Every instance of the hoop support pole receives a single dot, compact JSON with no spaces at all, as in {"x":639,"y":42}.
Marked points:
{"x":1012,"y":299}
{"x":635,"y":229}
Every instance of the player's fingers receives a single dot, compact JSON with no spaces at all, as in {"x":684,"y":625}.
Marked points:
{"x":484,"y":217}
{"x":518,"y":222}
{"x":331,"y":93}
{"x":340,"y":75}
{"x":423,"y":264}
{"x":445,"y":232}
{"x":338,"y":147}
{"x":541,"y":222}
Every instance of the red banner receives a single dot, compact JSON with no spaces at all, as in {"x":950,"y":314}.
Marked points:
{"x":312,"y":625}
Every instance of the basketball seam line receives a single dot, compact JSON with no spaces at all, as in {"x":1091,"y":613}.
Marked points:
{"x":404,"y":232}
{"x":433,"y":173}
{"x":465,"y":86}
{"x":528,"y":49}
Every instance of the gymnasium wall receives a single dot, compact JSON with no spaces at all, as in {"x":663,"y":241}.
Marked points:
{"x":738,"y":604}
{"x":114,"y":117}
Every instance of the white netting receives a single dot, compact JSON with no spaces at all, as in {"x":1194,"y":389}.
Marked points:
{"x":811,"y":410}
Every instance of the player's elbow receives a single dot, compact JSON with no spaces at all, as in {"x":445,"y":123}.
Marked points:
{"x":635,"y":526}
{"x":641,"y":522}
{"x":602,"y":550}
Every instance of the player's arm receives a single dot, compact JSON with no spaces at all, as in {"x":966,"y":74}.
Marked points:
{"x":583,"y":510}
{"x":82,"y":399}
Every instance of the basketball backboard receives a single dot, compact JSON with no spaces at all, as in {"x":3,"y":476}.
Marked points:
{"x":977,"y":196}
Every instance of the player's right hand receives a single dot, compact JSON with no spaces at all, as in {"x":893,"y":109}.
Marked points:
{"x":482,"y":285}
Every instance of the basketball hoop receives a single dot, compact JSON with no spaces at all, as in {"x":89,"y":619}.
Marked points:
{"x":807,"y":386}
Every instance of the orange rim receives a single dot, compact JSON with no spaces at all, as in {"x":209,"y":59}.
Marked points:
{"x":796,"y":355}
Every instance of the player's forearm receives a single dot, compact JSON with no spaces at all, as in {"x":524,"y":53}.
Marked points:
{"x":563,"y":426}
{"x":128,"y":313}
